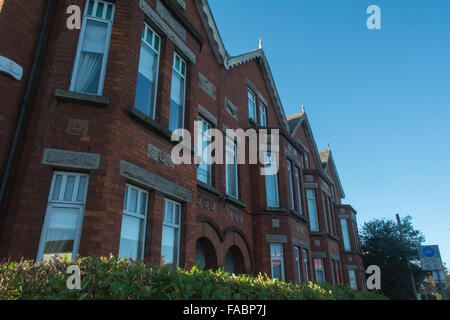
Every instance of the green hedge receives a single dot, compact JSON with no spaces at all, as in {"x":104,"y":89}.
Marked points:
{"x":111,"y":278}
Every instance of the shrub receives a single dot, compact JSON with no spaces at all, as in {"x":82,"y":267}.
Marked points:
{"x":111,"y":278}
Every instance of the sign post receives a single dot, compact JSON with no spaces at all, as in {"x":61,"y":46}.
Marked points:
{"x":430,"y":259}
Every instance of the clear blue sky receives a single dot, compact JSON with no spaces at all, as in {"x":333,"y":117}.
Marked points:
{"x":381,"y":98}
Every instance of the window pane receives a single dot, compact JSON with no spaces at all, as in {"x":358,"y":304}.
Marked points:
{"x":91,"y":57}
{"x":276,"y":269}
{"x":143,"y":203}
{"x":168,"y":213}
{"x":90,"y":7}
{"x":272,"y":191}
{"x":61,"y":233}
{"x":132,"y":206}
{"x":251,"y":105}
{"x":99,"y":13}
{"x":130,"y":238}
{"x":176,"y":102}
{"x":57,"y":187}
{"x":69,"y":188}
{"x":81,"y":189}
{"x":345,"y":235}
{"x":169,"y":248}
{"x":145,"y":88}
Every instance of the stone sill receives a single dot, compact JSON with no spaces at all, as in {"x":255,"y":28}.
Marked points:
{"x":299,"y":216}
{"x":151,"y":124}
{"x":235,"y":201}
{"x":81,"y":98}
{"x":209,"y":188}
{"x":274,"y":209}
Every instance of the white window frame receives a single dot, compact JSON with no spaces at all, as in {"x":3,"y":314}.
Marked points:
{"x":277,"y":258}
{"x":173,"y":225}
{"x":298,"y":264}
{"x":183,"y":76}
{"x":291,"y":185}
{"x":345,"y":235}
{"x":235,"y":166}
{"x":201,"y":134}
{"x":305,"y":263}
{"x":137,"y":215}
{"x":315,"y":209}
{"x":158,"y":58}
{"x":263,"y":115}
{"x":267,"y":161}
{"x":353,"y":280}
{"x":321,"y":269}
{"x":86,"y":17}
{"x":299,"y":191}
{"x":60,"y":202}
{"x":252,"y":96}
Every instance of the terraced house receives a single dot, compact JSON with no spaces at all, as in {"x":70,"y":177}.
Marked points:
{"x":86,"y":142}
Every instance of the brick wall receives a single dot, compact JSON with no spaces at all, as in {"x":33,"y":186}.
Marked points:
{"x":220,"y":224}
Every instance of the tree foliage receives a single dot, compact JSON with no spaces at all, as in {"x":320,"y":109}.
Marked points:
{"x":381,"y":246}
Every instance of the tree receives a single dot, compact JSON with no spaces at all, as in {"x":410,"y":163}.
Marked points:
{"x":381,"y":246}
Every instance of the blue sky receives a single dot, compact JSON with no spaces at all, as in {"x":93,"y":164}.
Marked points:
{"x":381,"y":98}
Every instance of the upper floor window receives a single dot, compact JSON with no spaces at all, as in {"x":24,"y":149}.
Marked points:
{"x":291,"y":187}
{"x":299,"y":192}
{"x":177,"y":94}
{"x":64,"y":216}
{"x":345,"y":235}
{"x":251,"y":105}
{"x":231,"y":168}
{"x":134,"y":221}
{"x":271,"y":183}
{"x":204,"y":172}
{"x":93,"y":46}
{"x":147,"y":81}
{"x":312,"y":209}
{"x":262,"y":115}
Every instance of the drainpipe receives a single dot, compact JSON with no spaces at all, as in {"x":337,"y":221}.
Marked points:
{"x":26,"y":101}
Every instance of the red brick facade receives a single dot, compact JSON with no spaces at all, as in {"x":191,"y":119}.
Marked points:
{"x":216,"y":87}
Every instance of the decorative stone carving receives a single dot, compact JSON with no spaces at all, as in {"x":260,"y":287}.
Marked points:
{"x":158,"y":155}
{"x":234,"y":214}
{"x":206,"y":85}
{"x":231,"y":109}
{"x":77,"y":127}
{"x":206,"y":203}
{"x":275,"y":223}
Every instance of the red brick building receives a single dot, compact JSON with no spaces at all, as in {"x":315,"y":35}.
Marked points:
{"x":90,"y":170}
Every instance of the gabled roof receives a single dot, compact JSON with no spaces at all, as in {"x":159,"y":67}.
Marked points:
{"x":327,"y":161}
{"x":228,"y":62}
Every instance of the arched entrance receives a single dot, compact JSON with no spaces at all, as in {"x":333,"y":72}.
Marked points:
{"x":234,"y":261}
{"x":205,"y":254}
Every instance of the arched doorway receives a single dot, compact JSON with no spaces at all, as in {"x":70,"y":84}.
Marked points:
{"x":205,"y":254}
{"x":234,"y":261}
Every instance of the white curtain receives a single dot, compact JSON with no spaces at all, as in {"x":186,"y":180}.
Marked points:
{"x":91,"y":58}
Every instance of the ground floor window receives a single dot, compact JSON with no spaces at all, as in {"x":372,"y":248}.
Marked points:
{"x":352,"y":278}
{"x":306,"y":265}
{"x":277,"y":261}
{"x":320,"y":270}
{"x":134,"y":221}
{"x":61,"y":231}
{"x":170,"y":244}
{"x":297,"y":264}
